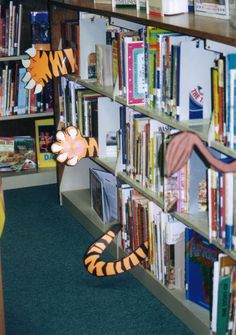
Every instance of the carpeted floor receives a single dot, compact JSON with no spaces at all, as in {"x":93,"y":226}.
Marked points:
{"x":48,"y":291}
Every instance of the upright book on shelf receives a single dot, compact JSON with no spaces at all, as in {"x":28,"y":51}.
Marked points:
{"x":44,"y":137}
{"x":40,"y":34}
{"x":135,"y":79}
{"x":195,"y":90}
{"x":103,"y":193}
{"x":108,"y":125}
{"x":200,"y":258}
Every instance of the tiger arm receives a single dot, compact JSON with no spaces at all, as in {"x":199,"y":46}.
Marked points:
{"x":43,"y":65}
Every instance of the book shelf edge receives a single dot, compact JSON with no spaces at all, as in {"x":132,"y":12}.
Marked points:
{"x":37,"y":178}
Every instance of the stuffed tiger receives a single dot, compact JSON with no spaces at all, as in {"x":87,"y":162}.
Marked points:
{"x":43,"y":65}
{"x":97,"y":267}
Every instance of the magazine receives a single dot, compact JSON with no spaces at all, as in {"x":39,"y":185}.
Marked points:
{"x":103,"y":193}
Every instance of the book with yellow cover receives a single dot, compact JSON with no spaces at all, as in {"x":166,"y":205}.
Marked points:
{"x":44,"y":137}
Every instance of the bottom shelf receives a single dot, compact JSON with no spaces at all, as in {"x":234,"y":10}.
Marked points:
{"x":13,"y":180}
{"x":195,"y":317}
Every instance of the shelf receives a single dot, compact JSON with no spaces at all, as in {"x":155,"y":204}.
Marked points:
{"x":219,"y":30}
{"x":26,"y":116}
{"x":13,"y":180}
{"x":13,"y":58}
{"x":195,"y":317}
{"x":200,"y":127}
{"x":92,"y":85}
{"x":196,"y":221}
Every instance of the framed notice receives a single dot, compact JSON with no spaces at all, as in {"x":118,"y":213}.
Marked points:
{"x":215,"y":8}
{"x":44,"y":137}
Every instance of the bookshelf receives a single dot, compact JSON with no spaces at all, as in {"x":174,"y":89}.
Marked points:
{"x":74,"y":182}
{"x":12,"y":121}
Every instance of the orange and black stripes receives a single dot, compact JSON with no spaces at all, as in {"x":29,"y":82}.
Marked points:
{"x":61,"y":62}
{"x":97,"y":267}
{"x":46,"y":64}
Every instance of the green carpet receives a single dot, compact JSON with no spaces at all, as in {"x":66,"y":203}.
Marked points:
{"x":48,"y":291}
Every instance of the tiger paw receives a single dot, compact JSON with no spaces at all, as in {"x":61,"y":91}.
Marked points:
{"x":43,"y":65}
{"x":36,"y":66}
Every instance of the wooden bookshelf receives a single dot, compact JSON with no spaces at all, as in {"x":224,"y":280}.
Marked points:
{"x":22,"y":124}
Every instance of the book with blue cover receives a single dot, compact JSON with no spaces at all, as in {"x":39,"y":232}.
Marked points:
{"x":200,"y":257}
{"x":40,"y":34}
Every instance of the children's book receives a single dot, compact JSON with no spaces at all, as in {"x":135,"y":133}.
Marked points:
{"x":135,"y":78}
{"x":17,"y":154}
{"x":44,"y":137}
{"x":195,"y":90}
{"x":40,"y":34}
{"x":200,"y":258}
{"x":103,"y":194}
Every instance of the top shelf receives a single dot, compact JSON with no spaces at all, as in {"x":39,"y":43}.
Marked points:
{"x":219,"y":30}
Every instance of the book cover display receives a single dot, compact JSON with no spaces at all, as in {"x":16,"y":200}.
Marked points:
{"x":44,"y":137}
{"x":17,"y":154}
{"x":40,"y":30}
{"x":200,"y":257}
{"x":104,"y":194}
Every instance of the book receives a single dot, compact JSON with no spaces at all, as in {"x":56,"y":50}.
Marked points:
{"x":172,"y":7}
{"x":87,"y":109}
{"x":123,"y":195}
{"x":195,"y":92}
{"x":167,"y":7}
{"x":156,"y":7}
{"x":25,"y":153}
{"x":175,"y":252}
{"x":108,"y":125}
{"x":7,"y":153}
{"x":70,"y":32}
{"x":44,"y":137}
{"x":223,"y":300}
{"x":17,"y":154}
{"x":104,"y":64}
{"x":40,"y":34}
{"x":22,"y":93}
{"x":135,"y":88}
{"x":215,"y":8}
{"x":200,"y":257}
{"x":103,"y":194}
{"x":120,"y":36}
{"x":124,"y":3}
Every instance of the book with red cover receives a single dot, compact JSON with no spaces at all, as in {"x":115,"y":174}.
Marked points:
{"x":135,"y":82}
